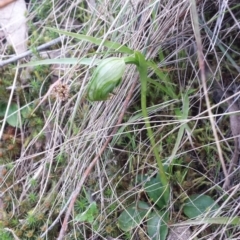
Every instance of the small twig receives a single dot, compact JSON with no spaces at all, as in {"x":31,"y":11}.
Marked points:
{"x":235,"y":128}
{"x":29,"y":52}
{"x":93,"y":163}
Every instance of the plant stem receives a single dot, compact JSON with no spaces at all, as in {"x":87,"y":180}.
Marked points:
{"x":142,"y":68}
{"x":131,"y":60}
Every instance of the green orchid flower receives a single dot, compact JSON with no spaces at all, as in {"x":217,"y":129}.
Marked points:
{"x":106,"y":77}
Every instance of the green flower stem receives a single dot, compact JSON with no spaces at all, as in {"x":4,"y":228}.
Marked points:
{"x":131,"y":60}
{"x":142,"y":68}
{"x":107,"y":76}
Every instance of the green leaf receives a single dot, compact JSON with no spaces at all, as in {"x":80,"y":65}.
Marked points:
{"x":182,"y":116}
{"x":74,"y":61}
{"x":26,"y":111}
{"x":13,"y":111}
{"x":3,"y":107}
{"x":164,"y":78}
{"x":89,"y":215}
{"x":157,"y":225}
{"x":214,"y":220}
{"x":155,"y":191}
{"x":132,"y":216}
{"x":13,"y":119}
{"x":185,"y":107}
{"x":143,"y":206}
{"x":98,"y":41}
{"x":199,"y":204}
{"x":165,"y":90}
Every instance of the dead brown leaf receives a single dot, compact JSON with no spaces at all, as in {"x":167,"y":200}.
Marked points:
{"x":4,"y":3}
{"x":13,"y":23}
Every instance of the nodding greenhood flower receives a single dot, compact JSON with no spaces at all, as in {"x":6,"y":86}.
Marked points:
{"x":106,"y":77}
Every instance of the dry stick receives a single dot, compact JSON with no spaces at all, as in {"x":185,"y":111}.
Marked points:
{"x":29,"y":52}
{"x":93,"y":163}
{"x":235,"y":128}
{"x":196,"y":30}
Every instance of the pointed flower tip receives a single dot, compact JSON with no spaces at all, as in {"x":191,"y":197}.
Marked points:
{"x":106,"y":78}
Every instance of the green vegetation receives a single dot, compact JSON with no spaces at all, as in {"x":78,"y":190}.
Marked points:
{"x":109,"y":136}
